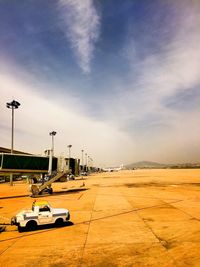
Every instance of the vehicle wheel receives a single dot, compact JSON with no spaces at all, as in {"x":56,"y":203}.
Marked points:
{"x":59,"y":222}
{"x":50,"y":190}
{"x":20,"y":229}
{"x":32,"y":225}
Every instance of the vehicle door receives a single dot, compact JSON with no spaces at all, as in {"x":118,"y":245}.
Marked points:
{"x":45,"y":215}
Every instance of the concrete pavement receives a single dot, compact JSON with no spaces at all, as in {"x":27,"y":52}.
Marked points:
{"x":127,"y":218}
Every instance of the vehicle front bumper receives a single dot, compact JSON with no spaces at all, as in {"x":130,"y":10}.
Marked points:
{"x":68,"y":217}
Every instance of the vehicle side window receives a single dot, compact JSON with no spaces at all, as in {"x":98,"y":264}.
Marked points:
{"x":45,"y":208}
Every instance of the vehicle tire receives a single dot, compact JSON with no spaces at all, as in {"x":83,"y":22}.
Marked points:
{"x":20,"y":229}
{"x":59,"y":222}
{"x":50,"y":191}
{"x":31,"y":225}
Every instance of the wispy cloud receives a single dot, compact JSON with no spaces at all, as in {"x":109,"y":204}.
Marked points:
{"x":141,"y":105}
{"x":38,"y":115}
{"x":82,"y":27}
{"x":164,"y":73}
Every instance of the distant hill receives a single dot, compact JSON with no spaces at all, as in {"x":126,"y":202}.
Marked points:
{"x":156,"y":165}
{"x":145,"y":164}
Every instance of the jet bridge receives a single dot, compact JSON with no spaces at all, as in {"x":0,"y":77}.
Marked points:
{"x":16,"y":163}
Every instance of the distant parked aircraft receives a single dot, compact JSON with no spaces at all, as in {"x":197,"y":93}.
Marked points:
{"x":113,"y":169}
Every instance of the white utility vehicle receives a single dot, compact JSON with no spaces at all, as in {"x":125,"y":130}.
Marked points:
{"x":41,"y":213}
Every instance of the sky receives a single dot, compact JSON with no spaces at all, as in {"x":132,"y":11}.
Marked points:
{"x":117,"y":79}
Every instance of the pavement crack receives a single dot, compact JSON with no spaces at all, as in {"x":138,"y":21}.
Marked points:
{"x":88,"y":229}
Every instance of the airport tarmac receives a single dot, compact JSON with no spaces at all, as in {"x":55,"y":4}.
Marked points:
{"x":126,"y":218}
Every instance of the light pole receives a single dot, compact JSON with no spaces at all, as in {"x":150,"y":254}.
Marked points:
{"x":51,"y":154}
{"x":82,"y":159}
{"x":52,"y":134}
{"x":92,"y":165}
{"x":69,"y":147}
{"x":86,"y":162}
{"x":12,"y":105}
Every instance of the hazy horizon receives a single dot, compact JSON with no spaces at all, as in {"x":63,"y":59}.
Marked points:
{"x":118,"y":79}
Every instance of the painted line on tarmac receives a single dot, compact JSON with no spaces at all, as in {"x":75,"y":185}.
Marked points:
{"x":172,"y":199}
{"x":127,"y":212}
{"x":92,"y":220}
{"x":8,"y":197}
{"x":192,"y":216}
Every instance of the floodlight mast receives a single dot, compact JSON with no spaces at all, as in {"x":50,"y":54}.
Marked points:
{"x":52,"y":134}
{"x":86,"y":162}
{"x":12,"y":105}
{"x":82,"y":160}
{"x":91,"y":161}
{"x":90,"y":164}
{"x":51,"y":154}
{"x":69,"y":147}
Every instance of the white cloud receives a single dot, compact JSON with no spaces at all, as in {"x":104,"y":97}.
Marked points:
{"x":37,"y":116}
{"x":82,"y":23}
{"x":160,"y":132}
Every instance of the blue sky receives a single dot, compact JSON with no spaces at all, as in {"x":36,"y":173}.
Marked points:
{"x":119,"y":79}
